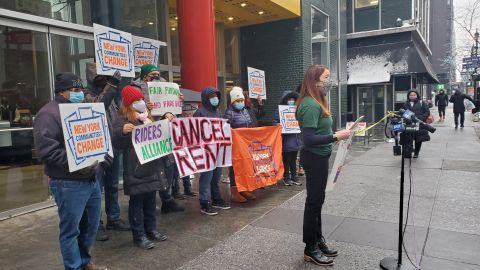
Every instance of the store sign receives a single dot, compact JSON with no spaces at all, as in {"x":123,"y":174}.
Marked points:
{"x":287,"y":119}
{"x":201,"y":144}
{"x":113,"y":51}
{"x":152,"y":141}
{"x":165,"y":97}
{"x":87,"y":138}
{"x":145,"y":51}
{"x":256,"y":83}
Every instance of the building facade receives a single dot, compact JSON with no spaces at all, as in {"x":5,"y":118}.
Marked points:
{"x":39,"y":38}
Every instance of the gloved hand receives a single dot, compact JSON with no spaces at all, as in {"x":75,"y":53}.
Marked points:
{"x":116,"y":78}
{"x":107,"y":162}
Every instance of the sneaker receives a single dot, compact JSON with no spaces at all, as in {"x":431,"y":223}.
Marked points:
{"x":295,"y":181}
{"x":156,"y":236}
{"x":286,"y":182}
{"x":207,"y":210}
{"x":220,"y":204}
{"x":144,"y":243}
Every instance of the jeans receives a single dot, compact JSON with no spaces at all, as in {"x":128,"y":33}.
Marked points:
{"x":141,"y":214}
{"x":166,"y":195}
{"x":79,"y":210}
{"x":316,"y":170}
{"x":187,"y":185}
{"x":462,"y":118}
{"x":208,"y":185}
{"x":109,"y":180}
{"x":290,"y":164}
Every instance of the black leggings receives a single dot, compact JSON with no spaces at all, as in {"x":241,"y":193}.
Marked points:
{"x":441,"y":111}
{"x":290,"y":164}
{"x":316,"y":170}
{"x":462,"y":118}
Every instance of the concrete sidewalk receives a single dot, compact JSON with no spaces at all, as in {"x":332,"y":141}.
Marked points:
{"x":361,"y":214}
{"x":360,"y":220}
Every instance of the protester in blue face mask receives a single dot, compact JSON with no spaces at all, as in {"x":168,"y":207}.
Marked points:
{"x":238,"y":116}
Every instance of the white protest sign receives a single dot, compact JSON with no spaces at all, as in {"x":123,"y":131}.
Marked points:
{"x":152,"y":141}
{"x":287,"y":119}
{"x":342,"y":151}
{"x":145,"y":51}
{"x":113,"y":51}
{"x":85,"y":129}
{"x":201,"y":144}
{"x":360,"y":127}
{"x":256,"y":83}
{"x":165,"y":97}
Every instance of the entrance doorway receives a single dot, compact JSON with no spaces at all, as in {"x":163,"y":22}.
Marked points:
{"x":371,"y":102}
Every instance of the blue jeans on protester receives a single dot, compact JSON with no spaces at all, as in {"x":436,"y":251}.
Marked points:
{"x":141,"y":214}
{"x":109,"y":180}
{"x":79,"y":210}
{"x":208,"y":186}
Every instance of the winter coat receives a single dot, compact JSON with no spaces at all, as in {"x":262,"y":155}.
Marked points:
{"x":421,"y":111}
{"x":290,"y":142}
{"x":207,"y":110}
{"x":140,"y":83}
{"x":137,"y":178}
{"x":239,"y":119}
{"x":94,"y":94}
{"x":255,"y":112}
{"x":441,"y":100}
{"x":50,"y":143}
{"x":457,"y":99}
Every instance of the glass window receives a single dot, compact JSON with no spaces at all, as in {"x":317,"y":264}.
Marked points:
{"x":24,"y":89}
{"x":74,"y":11}
{"x":320,"y":35}
{"x":232,"y":51}
{"x":71,"y":55}
{"x":367,"y":15}
{"x":174,"y":40}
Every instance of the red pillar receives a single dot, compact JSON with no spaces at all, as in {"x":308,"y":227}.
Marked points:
{"x":196,"y":25}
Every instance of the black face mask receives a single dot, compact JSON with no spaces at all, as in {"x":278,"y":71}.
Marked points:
{"x":155,"y":78}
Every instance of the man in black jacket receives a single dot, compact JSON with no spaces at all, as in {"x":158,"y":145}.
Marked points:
{"x":459,"y":107}
{"x":441,"y":101}
{"x":77,"y":194}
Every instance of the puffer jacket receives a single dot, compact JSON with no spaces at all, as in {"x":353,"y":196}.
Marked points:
{"x":207,"y":110}
{"x":239,"y":119}
{"x":290,"y":142}
{"x":421,"y":111}
{"x":137,"y":178}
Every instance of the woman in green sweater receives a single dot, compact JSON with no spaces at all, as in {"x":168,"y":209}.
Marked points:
{"x":316,"y":124}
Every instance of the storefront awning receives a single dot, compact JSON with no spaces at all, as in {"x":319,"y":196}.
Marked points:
{"x":377,"y":63}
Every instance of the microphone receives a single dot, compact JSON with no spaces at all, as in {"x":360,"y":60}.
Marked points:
{"x":409,"y":115}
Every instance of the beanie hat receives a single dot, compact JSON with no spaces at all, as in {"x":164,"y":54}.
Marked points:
{"x":67,"y":80}
{"x":131,"y":94}
{"x":147,"y":68}
{"x":236,"y":93}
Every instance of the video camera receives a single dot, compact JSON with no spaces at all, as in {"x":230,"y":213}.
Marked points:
{"x":404,"y":126}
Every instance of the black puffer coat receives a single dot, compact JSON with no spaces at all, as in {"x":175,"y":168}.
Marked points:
{"x":422,"y":112}
{"x":137,"y":178}
{"x":457,"y":99}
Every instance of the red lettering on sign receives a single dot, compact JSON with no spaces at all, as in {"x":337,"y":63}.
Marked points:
{"x":182,"y":158}
{"x":211,"y":155}
{"x":194,"y":131}
{"x":197,"y":155}
{"x":205,"y":138}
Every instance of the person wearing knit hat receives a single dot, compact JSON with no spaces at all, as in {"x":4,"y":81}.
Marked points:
{"x":140,"y":181}
{"x":149,"y":70}
{"x":235,"y":94}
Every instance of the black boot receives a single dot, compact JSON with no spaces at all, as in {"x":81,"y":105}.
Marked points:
{"x":313,"y":254}
{"x":171,"y":207}
{"x":156,"y":236}
{"x":144,"y":243}
{"x":329,"y":252}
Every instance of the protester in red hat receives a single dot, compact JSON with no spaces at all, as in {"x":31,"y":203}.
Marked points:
{"x":141,"y":182}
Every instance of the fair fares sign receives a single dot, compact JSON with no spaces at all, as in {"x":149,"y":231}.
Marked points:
{"x":87,"y":138}
{"x":201,"y":144}
{"x":287,"y":119}
{"x":145,"y":51}
{"x":165,"y":97}
{"x":113,"y":51}
{"x":152,"y":141}
{"x":256,"y":83}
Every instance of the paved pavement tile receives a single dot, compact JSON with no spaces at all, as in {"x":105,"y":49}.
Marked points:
{"x":429,"y":263}
{"x":453,"y":246}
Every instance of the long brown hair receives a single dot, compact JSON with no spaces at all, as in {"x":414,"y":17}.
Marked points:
{"x":129,"y":112}
{"x":308,"y":88}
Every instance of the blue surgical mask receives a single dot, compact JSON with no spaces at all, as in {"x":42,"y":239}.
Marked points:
{"x":139,"y":106}
{"x":76,"y":97}
{"x":214,"y":101}
{"x":291,"y":102}
{"x":239,"y":106}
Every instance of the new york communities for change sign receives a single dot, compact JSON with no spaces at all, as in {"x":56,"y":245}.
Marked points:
{"x":287,"y":119}
{"x":152,"y":141}
{"x":86,"y":134}
{"x":165,"y":97}
{"x":113,"y":51}
{"x":201,"y":144}
{"x":256,"y":83}
{"x":145,"y":51}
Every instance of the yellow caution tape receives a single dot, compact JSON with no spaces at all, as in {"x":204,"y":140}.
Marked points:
{"x":376,"y":123}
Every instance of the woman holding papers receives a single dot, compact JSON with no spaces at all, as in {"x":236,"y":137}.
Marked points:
{"x":315,"y":122}
{"x":141,"y":182}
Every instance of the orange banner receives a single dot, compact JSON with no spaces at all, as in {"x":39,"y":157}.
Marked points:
{"x":257,"y":157}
